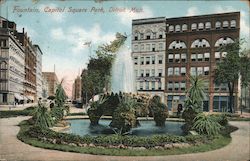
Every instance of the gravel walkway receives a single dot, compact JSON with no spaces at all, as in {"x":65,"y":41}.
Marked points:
{"x":13,"y":149}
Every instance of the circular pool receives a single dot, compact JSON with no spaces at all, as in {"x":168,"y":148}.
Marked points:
{"x":82,"y":127}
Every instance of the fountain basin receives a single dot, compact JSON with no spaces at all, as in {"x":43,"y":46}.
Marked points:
{"x":82,"y":127}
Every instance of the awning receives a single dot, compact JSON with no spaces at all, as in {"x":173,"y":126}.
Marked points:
{"x":18,"y":96}
{"x":30,"y":98}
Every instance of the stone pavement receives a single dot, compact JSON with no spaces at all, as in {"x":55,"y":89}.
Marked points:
{"x":13,"y":149}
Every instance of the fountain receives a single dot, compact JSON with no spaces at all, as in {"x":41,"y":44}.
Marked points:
{"x":123,"y":78}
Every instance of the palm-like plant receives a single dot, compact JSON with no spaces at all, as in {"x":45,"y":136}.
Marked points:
{"x":42,"y":117}
{"x":196,"y":94}
{"x":206,"y":124}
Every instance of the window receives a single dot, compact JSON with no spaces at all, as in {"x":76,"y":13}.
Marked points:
{"x":177,"y":28}
{"x":141,"y":85}
{"x":218,"y":25}
{"x":160,"y":58}
{"x":170,"y":57}
{"x":194,"y":26}
{"x":177,"y":57}
{"x":153,"y":59}
{"x":141,"y":36}
{"x":148,"y":37}
{"x":154,"y":35}
{"x":176,"y":86}
{"x":153,"y":85}
{"x":176,"y":71}
{"x":183,"y":85}
{"x":171,"y":28}
{"x":142,"y":60}
{"x":208,"y":25}
{"x":184,"y":27}
{"x":142,"y":72}
{"x":217,"y":56}
{"x":177,"y":45}
{"x":159,"y":85}
{"x":170,"y":71}
{"x":148,"y":47}
{"x":147,"y":60}
{"x":160,"y":34}
{"x":224,"y":86}
{"x":200,"y":43}
{"x":136,"y":36}
{"x":147,"y":85}
{"x":201,"y":26}
{"x":233,"y":23}
{"x":183,"y":71}
{"x":152,"y":72}
{"x":136,"y":60}
{"x":193,"y":57}
{"x":225,"y":24}
{"x":183,"y":57}
{"x":193,"y":71}
{"x":206,"y":70}
{"x":199,"y":70}
{"x":200,"y":57}
{"x":147,"y":72}
{"x":135,"y":47}
{"x":160,"y":46}
{"x":153,"y":47}
{"x":3,"y":43}
{"x":159,"y":72}
{"x":223,"y":41}
{"x":170,"y":86}
{"x":142,"y":47}
{"x":206,"y":56}
{"x":136,"y":73}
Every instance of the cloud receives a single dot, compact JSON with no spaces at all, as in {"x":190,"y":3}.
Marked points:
{"x":192,"y":11}
{"x":76,"y":36}
{"x":127,"y":17}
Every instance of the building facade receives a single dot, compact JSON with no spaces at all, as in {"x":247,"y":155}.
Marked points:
{"x":148,"y":52}
{"x":12,"y":63}
{"x":192,"y":48}
{"x":52,"y":82}
{"x":30,"y":67}
{"x":39,"y":76}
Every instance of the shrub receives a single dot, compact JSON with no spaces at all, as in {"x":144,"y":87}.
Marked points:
{"x":42,"y":117}
{"x":57,"y":113}
{"x":205,"y":124}
{"x":221,"y":119}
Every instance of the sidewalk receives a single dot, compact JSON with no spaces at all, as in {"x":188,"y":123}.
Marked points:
{"x":13,"y":149}
{"x":16,"y":107}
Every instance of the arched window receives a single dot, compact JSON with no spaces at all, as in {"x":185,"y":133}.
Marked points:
{"x":177,"y":28}
{"x":3,"y":65}
{"x":148,"y":34}
{"x":136,"y":36}
{"x":171,"y":28}
{"x":233,"y":23}
{"x":194,"y":26}
{"x":177,"y":45}
{"x":208,"y":25}
{"x":184,"y":27}
{"x":201,"y":26}
{"x":200,"y":43}
{"x":218,"y":24}
{"x":225,"y":24}
{"x":223,"y":41}
{"x":161,"y":33}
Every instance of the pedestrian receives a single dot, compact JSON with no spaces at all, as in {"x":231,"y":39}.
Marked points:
{"x":179,"y":109}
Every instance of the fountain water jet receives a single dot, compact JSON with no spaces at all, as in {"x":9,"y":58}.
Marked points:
{"x":123,"y":78}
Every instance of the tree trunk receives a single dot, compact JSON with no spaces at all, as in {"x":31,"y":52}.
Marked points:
{"x":230,"y":105}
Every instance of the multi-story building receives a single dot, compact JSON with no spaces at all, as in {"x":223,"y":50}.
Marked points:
{"x":12,"y":62}
{"x":52,"y":81}
{"x":30,"y":66}
{"x":148,"y":51}
{"x":45,"y":88}
{"x":192,"y":48}
{"x":76,"y":89}
{"x":39,"y":76}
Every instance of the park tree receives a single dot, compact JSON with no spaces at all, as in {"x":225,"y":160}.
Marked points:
{"x":229,"y":68}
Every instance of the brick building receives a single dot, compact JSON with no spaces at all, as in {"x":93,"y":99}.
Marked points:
{"x":52,"y":82}
{"x":192,"y":45}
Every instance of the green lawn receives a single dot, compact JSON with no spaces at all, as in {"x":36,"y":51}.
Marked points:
{"x":14,"y":113}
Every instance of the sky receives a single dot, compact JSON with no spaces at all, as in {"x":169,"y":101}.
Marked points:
{"x":61,"y":35}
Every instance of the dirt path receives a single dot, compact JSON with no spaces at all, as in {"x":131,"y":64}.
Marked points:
{"x":13,"y":149}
